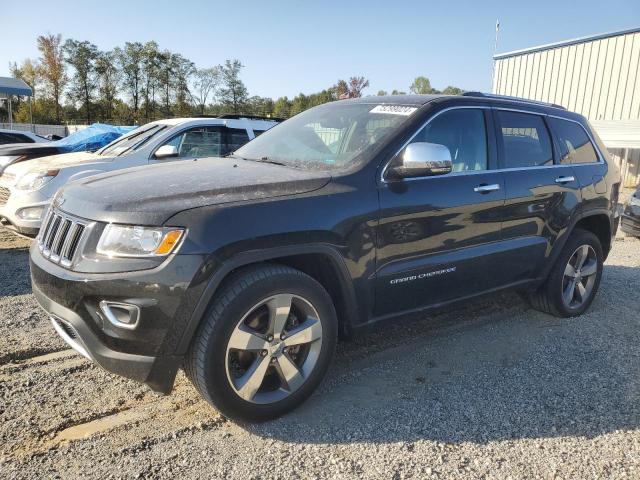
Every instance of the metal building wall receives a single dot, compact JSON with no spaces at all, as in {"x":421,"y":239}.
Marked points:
{"x":597,"y":78}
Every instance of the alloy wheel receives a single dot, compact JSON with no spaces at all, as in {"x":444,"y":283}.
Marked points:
{"x":579,"y":277}
{"x":273,"y":349}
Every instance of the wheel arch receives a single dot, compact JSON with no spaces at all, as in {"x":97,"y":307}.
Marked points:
{"x":320,"y":262}
{"x":600,"y":225}
{"x":596,"y":221}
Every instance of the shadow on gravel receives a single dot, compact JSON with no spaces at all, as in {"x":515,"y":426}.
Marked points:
{"x":15,"y":278}
{"x":508,"y":374}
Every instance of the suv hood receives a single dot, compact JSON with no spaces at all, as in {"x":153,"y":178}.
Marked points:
{"x":151,"y":194}
{"x":55,"y":162}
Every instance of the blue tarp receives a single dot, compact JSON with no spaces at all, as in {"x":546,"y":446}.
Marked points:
{"x":91,"y":138}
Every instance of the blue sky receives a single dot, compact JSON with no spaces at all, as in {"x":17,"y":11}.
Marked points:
{"x":294,"y":46}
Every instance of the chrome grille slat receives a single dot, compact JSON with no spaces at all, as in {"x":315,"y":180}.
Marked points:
{"x":73,"y":246}
{"x":60,"y":237}
{"x":64,"y":253}
{"x":55,"y":224}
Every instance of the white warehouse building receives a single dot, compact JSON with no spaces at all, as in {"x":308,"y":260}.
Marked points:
{"x":597,"y":76}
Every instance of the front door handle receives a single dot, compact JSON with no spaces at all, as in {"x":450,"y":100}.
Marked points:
{"x":487,"y":188}
{"x":568,"y":179}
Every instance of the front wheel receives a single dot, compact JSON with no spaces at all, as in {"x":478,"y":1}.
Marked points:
{"x":574,"y":279}
{"x":265,"y":344}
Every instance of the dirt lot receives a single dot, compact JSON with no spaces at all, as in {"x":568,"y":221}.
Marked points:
{"x":489,"y":390}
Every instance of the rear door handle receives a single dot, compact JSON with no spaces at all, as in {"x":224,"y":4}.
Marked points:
{"x":487,"y":188}
{"x":568,"y":179}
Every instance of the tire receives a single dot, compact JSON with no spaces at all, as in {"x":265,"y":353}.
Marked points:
{"x":552,"y":297}
{"x":253,"y":301}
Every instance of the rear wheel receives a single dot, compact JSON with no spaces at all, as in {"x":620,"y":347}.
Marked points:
{"x":574,"y":279}
{"x":265,"y":345}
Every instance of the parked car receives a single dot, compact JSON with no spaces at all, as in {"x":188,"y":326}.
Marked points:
{"x":244,"y":271}
{"x":630,"y":223}
{"x":86,"y":140}
{"x":18,"y":136}
{"x":26,"y":188}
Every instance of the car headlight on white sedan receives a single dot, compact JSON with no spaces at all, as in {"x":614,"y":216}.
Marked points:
{"x":8,"y":159}
{"x":134,"y":241}
{"x":35,"y":180}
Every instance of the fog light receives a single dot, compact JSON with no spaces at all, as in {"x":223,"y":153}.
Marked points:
{"x":122,"y":315}
{"x":31,"y":213}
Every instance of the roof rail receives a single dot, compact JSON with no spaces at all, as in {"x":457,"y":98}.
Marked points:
{"x":232,"y":116}
{"x":238,"y":116}
{"x":508,"y":97}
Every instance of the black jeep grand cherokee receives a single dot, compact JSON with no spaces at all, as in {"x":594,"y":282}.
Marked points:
{"x":244,"y":270}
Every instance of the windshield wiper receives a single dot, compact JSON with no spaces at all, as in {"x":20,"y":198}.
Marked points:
{"x":266,"y":160}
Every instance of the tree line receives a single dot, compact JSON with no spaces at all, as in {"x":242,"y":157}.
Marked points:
{"x":75,"y":82}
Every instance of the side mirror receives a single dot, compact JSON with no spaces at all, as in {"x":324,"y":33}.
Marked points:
{"x":166,"y":151}
{"x":421,"y":159}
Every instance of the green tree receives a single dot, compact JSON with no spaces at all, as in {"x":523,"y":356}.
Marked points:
{"x":52,"y":69}
{"x":421,"y":86}
{"x":381,"y":93}
{"x":108,"y":82}
{"x":233,"y":93}
{"x":82,"y":57}
{"x":183,"y":69}
{"x":150,"y":68}
{"x":130,"y":59}
{"x":205,"y":82}
{"x":28,"y":72}
{"x":452,"y":91}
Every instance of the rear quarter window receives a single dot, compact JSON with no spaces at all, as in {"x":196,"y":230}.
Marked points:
{"x":574,"y":143}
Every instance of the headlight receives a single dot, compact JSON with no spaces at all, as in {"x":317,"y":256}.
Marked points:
{"x":7,"y":159}
{"x":31,"y":213}
{"x":131,"y":241}
{"x":35,"y":180}
{"x":634,"y":201}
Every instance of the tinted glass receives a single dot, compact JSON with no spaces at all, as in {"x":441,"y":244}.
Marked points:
{"x":236,"y":138}
{"x":525,"y":139}
{"x":198,"y":142}
{"x":333,"y":136}
{"x":6,"y":138}
{"x":132,"y":141}
{"x":575,"y":145}
{"x":463,"y":132}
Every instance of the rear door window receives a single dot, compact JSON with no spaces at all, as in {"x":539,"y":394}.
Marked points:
{"x":525,"y":139}
{"x":236,"y":137}
{"x":574,"y":143}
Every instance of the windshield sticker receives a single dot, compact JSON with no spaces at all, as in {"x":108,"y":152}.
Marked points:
{"x":394,"y":110}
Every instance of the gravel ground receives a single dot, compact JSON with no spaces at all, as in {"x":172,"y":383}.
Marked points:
{"x":493,"y":389}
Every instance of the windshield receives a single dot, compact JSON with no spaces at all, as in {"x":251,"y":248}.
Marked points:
{"x":329,"y":137}
{"x":133,"y":141}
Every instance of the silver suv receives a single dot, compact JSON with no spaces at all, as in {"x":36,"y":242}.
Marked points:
{"x":26,"y":188}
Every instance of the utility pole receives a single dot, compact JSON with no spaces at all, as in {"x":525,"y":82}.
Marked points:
{"x":495,"y":50}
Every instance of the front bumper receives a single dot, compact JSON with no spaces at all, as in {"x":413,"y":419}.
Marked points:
{"x":630,"y":225}
{"x":166,"y":297}
{"x":16,"y":201}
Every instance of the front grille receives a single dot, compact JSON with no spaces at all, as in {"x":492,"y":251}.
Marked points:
{"x":59,"y":237}
{"x":67,"y":328}
{"x":5,"y":193}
